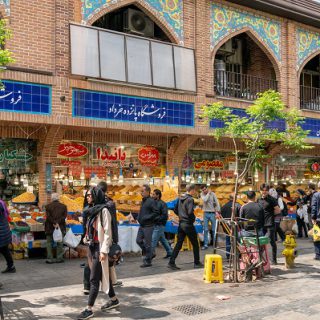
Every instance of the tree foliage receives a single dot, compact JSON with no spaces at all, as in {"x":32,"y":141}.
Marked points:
{"x":5,"y":54}
{"x":255,"y":130}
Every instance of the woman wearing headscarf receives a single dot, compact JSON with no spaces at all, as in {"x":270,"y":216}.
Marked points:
{"x":99,"y":237}
{"x":5,"y":238}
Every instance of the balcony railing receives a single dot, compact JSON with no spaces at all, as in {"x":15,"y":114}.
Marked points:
{"x":241,"y":86}
{"x":310,"y":98}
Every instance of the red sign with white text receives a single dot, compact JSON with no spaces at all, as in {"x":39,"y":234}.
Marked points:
{"x":207,"y":164}
{"x":148,"y":156}
{"x":72,"y":150}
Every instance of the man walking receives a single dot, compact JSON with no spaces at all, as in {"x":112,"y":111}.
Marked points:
{"x":271,"y":208}
{"x":147,"y":217}
{"x":210,"y":207}
{"x":56,"y":213}
{"x":184,"y":209}
{"x":158,"y":231}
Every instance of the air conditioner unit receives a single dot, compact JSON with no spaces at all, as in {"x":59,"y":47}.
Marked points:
{"x":137,"y":22}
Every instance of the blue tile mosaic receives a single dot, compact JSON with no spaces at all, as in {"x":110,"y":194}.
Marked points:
{"x":115,"y":107}
{"x":277,"y":124}
{"x":25,"y":97}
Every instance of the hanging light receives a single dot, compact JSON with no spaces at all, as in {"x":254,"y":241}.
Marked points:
{"x":276,"y":183}
{"x":167,"y":178}
{"x":115,"y":177}
{"x":61,"y":175}
{"x":70,"y":178}
{"x":25,"y":183}
{"x":134,"y":174}
{"x":21,"y":178}
{"x":272,"y":177}
{"x":200,"y":179}
{"x":56,"y":175}
{"x":16,"y":180}
{"x":108,"y":178}
{"x":145,"y":176}
{"x":188,"y":178}
{"x":82,"y":175}
{"x":219,"y":178}
{"x":256,"y":175}
{"x":192,"y":179}
{"x":183,"y":177}
{"x":121,"y":176}
{"x":243,"y":182}
{"x":208,"y":181}
{"x":213,"y":176}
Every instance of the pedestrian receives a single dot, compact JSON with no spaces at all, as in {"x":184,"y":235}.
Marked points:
{"x":211,"y":207}
{"x":278,"y":218}
{"x":316,"y":238}
{"x":99,"y":238}
{"x":302,"y":219}
{"x":226,"y":213}
{"x":310,"y":192}
{"x":115,"y":238}
{"x":271,"y":208}
{"x":56,"y":214}
{"x":147,"y":217}
{"x":5,"y":238}
{"x":158,"y":231}
{"x":253,"y":212}
{"x":185,"y":210}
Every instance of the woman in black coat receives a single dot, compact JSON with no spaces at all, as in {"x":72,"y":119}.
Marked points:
{"x":5,"y":238}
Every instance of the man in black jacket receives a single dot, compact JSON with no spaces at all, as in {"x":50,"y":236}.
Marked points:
{"x":158,"y":231}
{"x":147,"y":217}
{"x":184,"y":209}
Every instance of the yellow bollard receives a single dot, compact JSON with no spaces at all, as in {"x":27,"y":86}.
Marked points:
{"x":213,"y":271}
{"x":289,"y":250}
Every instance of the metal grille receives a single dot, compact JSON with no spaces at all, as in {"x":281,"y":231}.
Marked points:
{"x":191,"y":309}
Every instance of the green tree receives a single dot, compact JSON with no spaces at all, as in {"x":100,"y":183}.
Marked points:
{"x":254,"y":131}
{"x":5,"y":54}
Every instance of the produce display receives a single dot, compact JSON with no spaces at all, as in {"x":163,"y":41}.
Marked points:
{"x":26,"y":197}
{"x":73,"y":205}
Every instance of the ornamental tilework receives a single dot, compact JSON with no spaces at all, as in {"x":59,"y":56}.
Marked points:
{"x":226,"y":20}
{"x":307,"y":43}
{"x":6,"y":4}
{"x":170,"y":11}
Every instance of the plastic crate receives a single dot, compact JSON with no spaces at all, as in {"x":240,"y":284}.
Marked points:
{"x":76,"y":228}
{"x":172,"y":204}
{"x":253,"y":240}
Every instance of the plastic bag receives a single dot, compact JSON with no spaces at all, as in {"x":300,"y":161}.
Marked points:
{"x":71,"y":240}
{"x":295,"y":228}
{"x":57,"y":235}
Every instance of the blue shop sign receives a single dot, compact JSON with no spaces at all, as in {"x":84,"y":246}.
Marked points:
{"x":276,"y":124}
{"x":25,"y":97}
{"x":116,"y":107}
{"x":313,"y":125}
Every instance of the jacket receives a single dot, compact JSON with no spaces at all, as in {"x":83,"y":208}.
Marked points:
{"x":315,"y":206}
{"x":163,"y":213}
{"x":56,"y":212}
{"x":5,"y":233}
{"x":149,"y":212}
{"x":114,"y":223}
{"x":185,"y":209}
{"x":226,"y":210}
{"x":210,"y":202}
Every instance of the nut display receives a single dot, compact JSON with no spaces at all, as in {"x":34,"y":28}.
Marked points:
{"x":25,"y":197}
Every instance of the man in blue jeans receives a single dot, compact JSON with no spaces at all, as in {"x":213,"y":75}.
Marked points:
{"x":210,"y":207}
{"x":158,"y":231}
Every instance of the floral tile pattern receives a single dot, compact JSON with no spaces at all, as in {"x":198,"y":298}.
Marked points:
{"x":307,"y":43}
{"x":6,"y":4}
{"x":225,"y":20}
{"x":169,"y":11}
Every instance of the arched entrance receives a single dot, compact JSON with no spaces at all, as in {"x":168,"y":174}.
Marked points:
{"x":243,"y":68}
{"x":310,"y":84}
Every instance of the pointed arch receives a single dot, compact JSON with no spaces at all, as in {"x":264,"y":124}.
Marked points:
{"x":306,"y":60}
{"x":255,"y":37}
{"x":143,"y":6}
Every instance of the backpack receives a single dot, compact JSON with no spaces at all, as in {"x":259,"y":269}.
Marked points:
{"x":284,"y":211}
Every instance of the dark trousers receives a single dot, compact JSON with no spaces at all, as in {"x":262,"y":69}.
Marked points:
{"x":279,"y":231}
{"x":228,"y":246}
{"x":144,"y":241}
{"x":7,"y":255}
{"x":96,"y":275}
{"x":186,"y":229}
{"x":317,"y":249}
{"x":271,"y":233}
{"x":302,"y":226}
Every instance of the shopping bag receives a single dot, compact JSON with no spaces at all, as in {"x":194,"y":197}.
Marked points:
{"x":57,"y":235}
{"x":295,"y":228}
{"x":316,"y":233}
{"x":71,"y":240}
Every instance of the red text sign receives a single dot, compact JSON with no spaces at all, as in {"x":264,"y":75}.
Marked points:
{"x":207,"y":164}
{"x":72,"y":150}
{"x":148,"y":156}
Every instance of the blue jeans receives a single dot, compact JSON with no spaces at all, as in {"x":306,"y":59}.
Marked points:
{"x":158,"y":235}
{"x":209,"y":216}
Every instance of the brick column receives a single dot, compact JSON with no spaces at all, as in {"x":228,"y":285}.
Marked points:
{"x":48,"y":147}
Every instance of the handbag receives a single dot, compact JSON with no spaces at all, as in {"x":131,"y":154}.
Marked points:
{"x":115,"y":253}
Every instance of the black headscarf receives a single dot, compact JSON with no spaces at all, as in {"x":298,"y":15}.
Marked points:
{"x":91,"y":212}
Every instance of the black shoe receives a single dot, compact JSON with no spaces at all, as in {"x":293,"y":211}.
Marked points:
{"x":9,"y":270}
{"x":274,"y":262}
{"x":110,"y":305}
{"x":60,"y":261}
{"x":86,"y":292}
{"x":146,"y":265}
{"x":85,"y":314}
{"x":118,"y":284}
{"x":153,"y":256}
{"x":49,"y":261}
{"x":173,"y":266}
{"x":198,"y":265}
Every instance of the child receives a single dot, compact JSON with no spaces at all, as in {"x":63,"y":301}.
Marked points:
{"x":316,"y":238}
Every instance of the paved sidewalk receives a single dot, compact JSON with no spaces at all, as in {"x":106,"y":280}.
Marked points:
{"x":40,"y":291}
